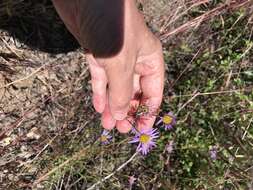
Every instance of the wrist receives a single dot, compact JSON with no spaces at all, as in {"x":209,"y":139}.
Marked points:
{"x":135,"y":29}
{"x":134,"y":25}
{"x":101,"y":25}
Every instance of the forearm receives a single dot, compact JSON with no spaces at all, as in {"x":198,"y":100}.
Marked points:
{"x":128,"y":57}
{"x":100,"y":25}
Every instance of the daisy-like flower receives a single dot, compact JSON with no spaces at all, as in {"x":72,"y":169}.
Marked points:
{"x":105,"y":137}
{"x":213,"y":153}
{"x":168,"y":121}
{"x":134,"y":131}
{"x":131,"y":181}
{"x":146,"y":140}
{"x":169,"y":147}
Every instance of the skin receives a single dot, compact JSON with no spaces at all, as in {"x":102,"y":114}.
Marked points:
{"x":138,"y":66}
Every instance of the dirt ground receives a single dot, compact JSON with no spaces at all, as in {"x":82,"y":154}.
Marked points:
{"x":44,"y":89}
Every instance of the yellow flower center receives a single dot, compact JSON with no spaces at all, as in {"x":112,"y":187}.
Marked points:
{"x":144,"y":138}
{"x":103,"y":138}
{"x":167,"y":119}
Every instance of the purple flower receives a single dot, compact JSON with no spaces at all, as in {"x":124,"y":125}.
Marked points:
{"x":105,"y":137}
{"x":168,"y":121}
{"x":146,"y":140}
{"x":213,"y":153}
{"x":134,"y":131}
{"x":169,"y":147}
{"x":131,"y":181}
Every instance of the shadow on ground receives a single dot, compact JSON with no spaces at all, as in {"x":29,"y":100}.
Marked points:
{"x":37,"y":25}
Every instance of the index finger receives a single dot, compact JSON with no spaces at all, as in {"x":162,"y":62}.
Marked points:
{"x":120,"y":83}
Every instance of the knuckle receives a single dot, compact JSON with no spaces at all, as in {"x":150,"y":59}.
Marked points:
{"x":120,"y":100}
{"x":119,"y":106}
{"x":98,"y":88}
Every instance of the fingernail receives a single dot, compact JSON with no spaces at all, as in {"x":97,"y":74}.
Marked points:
{"x":107,"y":122}
{"x":123,"y":126}
{"x":99,"y":108}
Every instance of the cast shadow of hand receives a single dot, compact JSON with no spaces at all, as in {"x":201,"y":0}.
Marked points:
{"x":37,"y":25}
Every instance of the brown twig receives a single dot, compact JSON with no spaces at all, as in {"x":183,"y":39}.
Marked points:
{"x":189,"y":101}
{"x":75,"y":157}
{"x":185,"y":69}
{"x":177,"y":16}
{"x":24,"y":116}
{"x":208,"y":15}
{"x":214,"y":93}
{"x":113,"y":173}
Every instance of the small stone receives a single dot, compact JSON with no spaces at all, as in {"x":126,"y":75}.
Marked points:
{"x":6,"y":141}
{"x":33,"y":134}
{"x":10,"y":176}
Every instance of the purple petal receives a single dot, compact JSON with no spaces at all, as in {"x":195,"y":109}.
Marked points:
{"x":105,"y":132}
{"x":135,"y":140}
{"x":139,"y":146}
{"x":152,"y":143}
{"x":168,"y":127}
{"x":159,"y":121}
{"x":134,"y":131}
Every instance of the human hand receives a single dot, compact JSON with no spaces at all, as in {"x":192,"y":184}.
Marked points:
{"x":115,"y":80}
